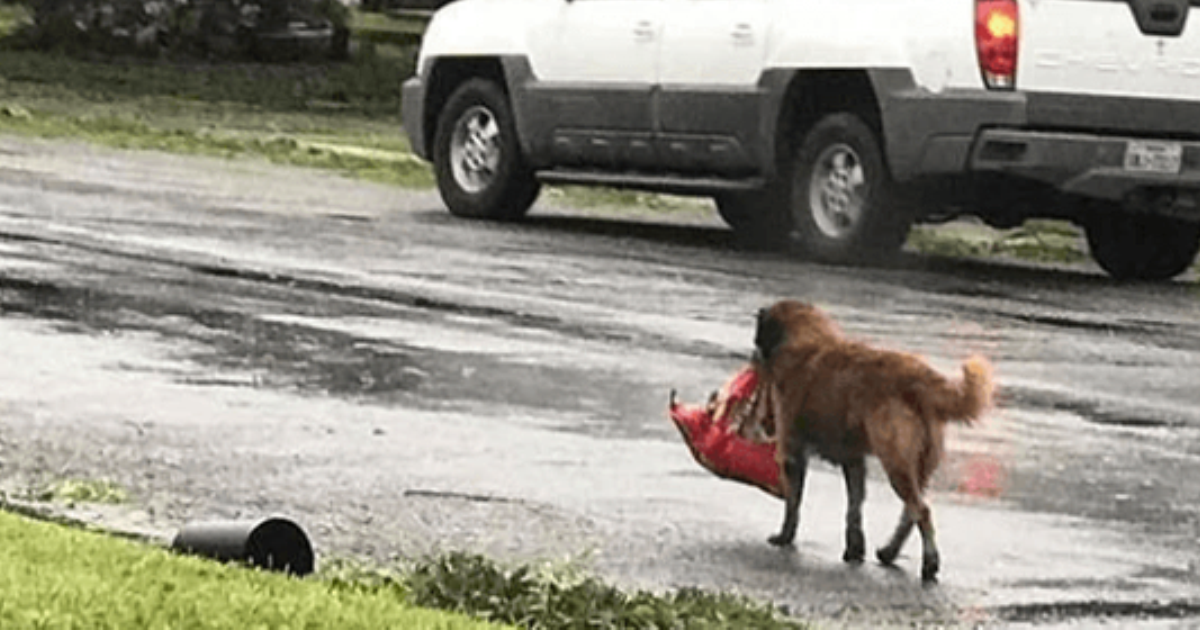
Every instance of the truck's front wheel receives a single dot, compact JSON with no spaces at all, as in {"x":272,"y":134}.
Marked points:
{"x":845,"y":207}
{"x":1141,"y":247}
{"x":477,"y":157}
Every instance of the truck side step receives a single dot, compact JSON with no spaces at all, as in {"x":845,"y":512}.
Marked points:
{"x":672,"y":184}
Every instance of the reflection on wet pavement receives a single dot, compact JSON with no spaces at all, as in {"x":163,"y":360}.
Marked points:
{"x":412,"y":356}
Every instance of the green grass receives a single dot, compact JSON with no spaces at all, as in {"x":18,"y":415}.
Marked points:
{"x":12,"y":16}
{"x":1036,"y":241}
{"x":564,"y":600}
{"x":83,"y":491}
{"x":376,"y":157}
{"x":340,"y":116}
{"x":54,"y":577}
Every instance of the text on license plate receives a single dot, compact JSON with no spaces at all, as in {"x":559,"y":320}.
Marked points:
{"x":1153,"y":157}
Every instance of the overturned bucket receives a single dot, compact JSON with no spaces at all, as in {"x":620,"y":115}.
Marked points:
{"x":275,"y":544}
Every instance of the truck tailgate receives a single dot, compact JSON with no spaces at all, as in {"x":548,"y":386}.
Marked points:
{"x":1145,"y":49}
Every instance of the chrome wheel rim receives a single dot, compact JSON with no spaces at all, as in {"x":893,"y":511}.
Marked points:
{"x":837,"y":191}
{"x":475,"y":149}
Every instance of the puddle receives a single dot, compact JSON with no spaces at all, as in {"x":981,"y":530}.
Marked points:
{"x":426,"y":360}
{"x":1107,"y":413}
{"x":1099,"y":609}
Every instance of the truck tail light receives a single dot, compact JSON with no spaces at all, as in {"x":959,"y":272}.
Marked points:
{"x":996,"y":33}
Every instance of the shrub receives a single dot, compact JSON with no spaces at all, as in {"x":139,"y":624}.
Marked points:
{"x":265,"y":30}
{"x":474,"y":585}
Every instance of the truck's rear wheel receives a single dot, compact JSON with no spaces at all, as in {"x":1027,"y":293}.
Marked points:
{"x":1141,"y":247}
{"x":477,"y":157}
{"x":845,"y":207}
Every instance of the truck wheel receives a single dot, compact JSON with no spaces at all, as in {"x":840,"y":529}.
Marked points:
{"x":759,"y":218}
{"x":1141,"y":247}
{"x":845,"y":207}
{"x":477,"y":158}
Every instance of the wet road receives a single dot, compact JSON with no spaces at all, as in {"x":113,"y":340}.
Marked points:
{"x":234,"y":339}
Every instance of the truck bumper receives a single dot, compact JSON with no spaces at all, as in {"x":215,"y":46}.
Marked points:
{"x":1082,"y":164}
{"x":412,"y":112}
{"x":932,"y":133}
{"x":1030,"y":137}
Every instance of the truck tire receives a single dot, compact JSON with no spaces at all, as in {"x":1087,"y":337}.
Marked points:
{"x":1141,"y":247}
{"x":845,"y":207}
{"x":477,"y":158}
{"x":760,"y":218}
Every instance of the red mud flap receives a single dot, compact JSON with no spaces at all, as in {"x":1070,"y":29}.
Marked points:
{"x":721,"y":436}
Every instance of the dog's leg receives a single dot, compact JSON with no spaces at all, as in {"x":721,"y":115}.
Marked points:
{"x":795,"y":467}
{"x":855,"y":472}
{"x":930,"y":558}
{"x":915,"y":512}
{"x":887,"y":554}
{"x":907,"y":484}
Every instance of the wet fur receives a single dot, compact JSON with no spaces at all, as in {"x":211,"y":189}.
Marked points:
{"x":845,"y":400}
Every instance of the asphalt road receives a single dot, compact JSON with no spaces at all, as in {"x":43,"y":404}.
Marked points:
{"x":234,"y":340}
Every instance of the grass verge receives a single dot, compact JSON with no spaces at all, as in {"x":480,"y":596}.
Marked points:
{"x":1052,"y":242}
{"x":58,"y":577}
{"x":343,"y":116}
{"x":564,"y":599}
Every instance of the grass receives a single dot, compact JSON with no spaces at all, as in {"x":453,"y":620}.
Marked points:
{"x":340,"y":116}
{"x":56,"y":577}
{"x":551,"y":600}
{"x":83,"y":491}
{"x":63,"y":576}
{"x":1038,"y":241}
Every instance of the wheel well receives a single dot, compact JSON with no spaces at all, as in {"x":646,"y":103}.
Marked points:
{"x":447,"y":74}
{"x":812,"y":94}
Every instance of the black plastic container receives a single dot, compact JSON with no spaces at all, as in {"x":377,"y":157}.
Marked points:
{"x":275,"y":544}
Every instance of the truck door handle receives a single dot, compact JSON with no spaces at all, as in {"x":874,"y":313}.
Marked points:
{"x":643,"y":30}
{"x":743,"y":34}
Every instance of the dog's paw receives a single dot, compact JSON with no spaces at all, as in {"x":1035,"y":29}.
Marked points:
{"x":780,"y":540}
{"x":856,"y":547}
{"x":929,"y":571}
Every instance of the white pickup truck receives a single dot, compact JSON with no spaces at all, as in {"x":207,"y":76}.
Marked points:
{"x":833,"y":125}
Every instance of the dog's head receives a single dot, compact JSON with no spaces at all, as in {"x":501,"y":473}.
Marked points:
{"x":789,"y":322}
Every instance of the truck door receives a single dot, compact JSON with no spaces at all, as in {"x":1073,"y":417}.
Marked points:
{"x":708,"y":103}
{"x":595,"y":65}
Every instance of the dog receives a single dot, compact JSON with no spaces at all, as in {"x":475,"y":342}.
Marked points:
{"x":844,"y":400}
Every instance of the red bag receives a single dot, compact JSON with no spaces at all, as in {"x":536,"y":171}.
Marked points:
{"x":730,"y":436}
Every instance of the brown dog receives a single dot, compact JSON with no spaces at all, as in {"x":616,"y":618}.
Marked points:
{"x":845,"y":400}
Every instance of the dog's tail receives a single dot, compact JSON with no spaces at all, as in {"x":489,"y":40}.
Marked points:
{"x":967,"y":399}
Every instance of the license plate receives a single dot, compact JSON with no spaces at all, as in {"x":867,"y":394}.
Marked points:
{"x":1153,"y":157}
